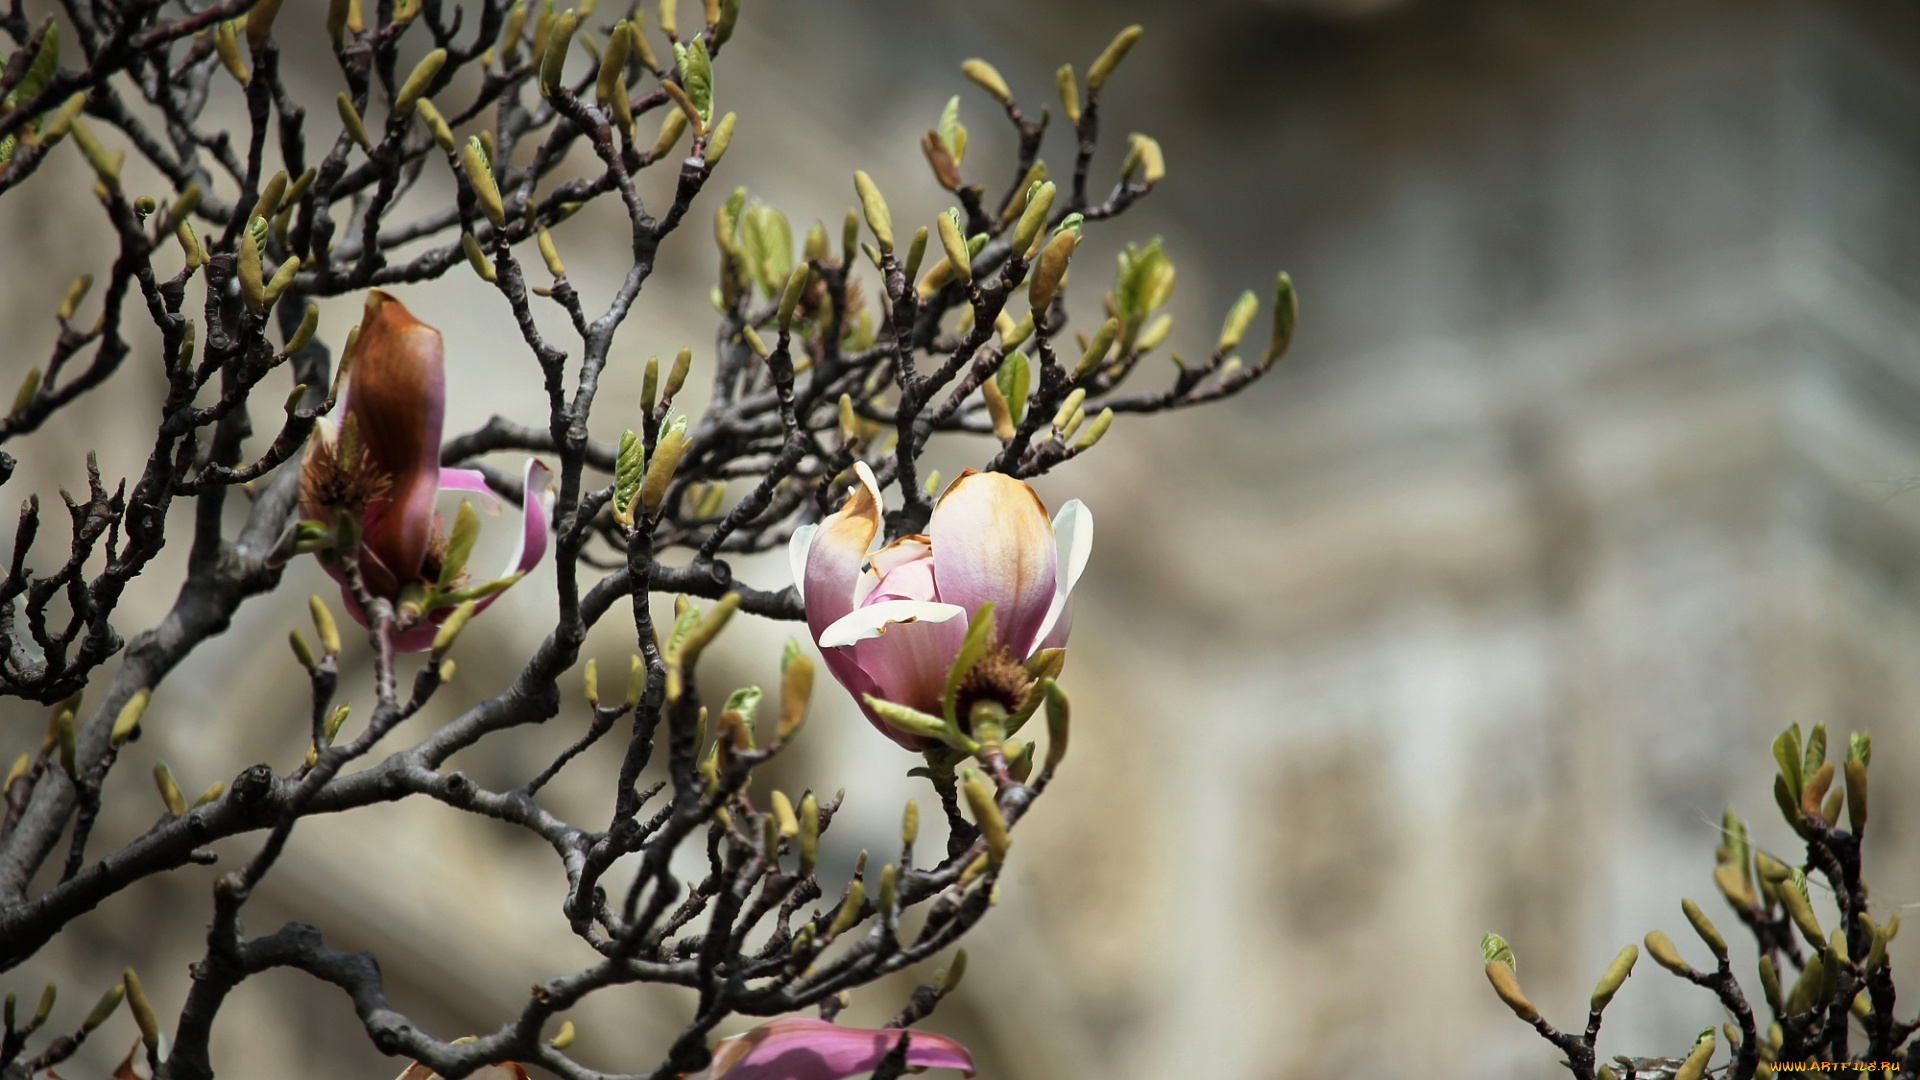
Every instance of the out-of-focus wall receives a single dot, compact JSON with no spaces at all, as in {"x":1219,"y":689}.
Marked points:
{"x":1589,"y":471}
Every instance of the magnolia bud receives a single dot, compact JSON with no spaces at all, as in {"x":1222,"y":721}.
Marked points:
{"x":987,"y":78}
{"x":252,"y":288}
{"x":323,"y":623}
{"x":721,"y":138}
{"x":1097,"y":348}
{"x":1705,"y":928}
{"x":415,"y":88}
{"x":142,"y":1010}
{"x":677,"y":375}
{"x":849,"y":912}
{"x":1039,"y":199}
{"x":227,"y":44}
{"x":613,"y":63}
{"x":1116,"y":51}
{"x":480,"y":177}
{"x":130,"y":714}
{"x":303,"y":334}
{"x":554,"y":60}
{"x":1615,"y":974}
{"x":350,"y":118}
{"x":986,"y":814}
{"x":169,"y":790}
{"x":809,"y":833}
{"x":477,"y":258}
{"x":915,"y":252}
{"x":1051,"y":268}
{"x":1069,"y":93}
{"x":550,"y":254}
{"x":672,"y":126}
{"x":958,"y":259}
{"x":878,"y":217}
{"x":796,"y":690}
{"x":1660,"y":947}
{"x":1508,"y":988}
{"x":104,"y":1008}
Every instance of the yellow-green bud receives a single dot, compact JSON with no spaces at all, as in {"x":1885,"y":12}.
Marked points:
{"x":169,"y":790}
{"x":104,"y":1008}
{"x":1615,"y":974}
{"x":142,"y":1009}
{"x":1705,"y":928}
{"x":554,"y":60}
{"x":227,"y":43}
{"x":1507,"y":986}
{"x":480,"y":176}
{"x":303,"y":334}
{"x":721,"y":138}
{"x":987,"y":78}
{"x":1660,"y":947}
{"x":324,"y":625}
{"x":449,"y":631}
{"x":809,"y":833}
{"x":672,"y":126}
{"x":130,"y":714}
{"x":1116,"y":51}
{"x":350,"y":118}
{"x":551,"y":254}
{"x":1069,"y":93}
{"x":959,"y":261}
{"x":415,"y":88}
{"x":986,"y":814}
{"x":878,"y":217}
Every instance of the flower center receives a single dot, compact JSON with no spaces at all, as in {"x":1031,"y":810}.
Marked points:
{"x":341,"y":474}
{"x":998,"y":677}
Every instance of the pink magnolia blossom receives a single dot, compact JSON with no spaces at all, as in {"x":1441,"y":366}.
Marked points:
{"x":804,"y":1048}
{"x":504,"y":1071}
{"x":891,"y":622}
{"x":381,"y":464}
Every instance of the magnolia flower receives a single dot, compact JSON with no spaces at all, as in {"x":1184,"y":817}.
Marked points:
{"x":505,"y":1071}
{"x":890,"y":623}
{"x":378,"y":471}
{"x":803,"y":1048}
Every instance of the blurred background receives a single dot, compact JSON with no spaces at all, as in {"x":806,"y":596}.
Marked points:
{"x":1592,"y":467}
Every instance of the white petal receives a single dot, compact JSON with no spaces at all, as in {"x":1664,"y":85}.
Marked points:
{"x":1073,"y":539}
{"x":871,"y":621}
{"x":797,"y":549}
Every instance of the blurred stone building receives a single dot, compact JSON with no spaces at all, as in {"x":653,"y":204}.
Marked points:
{"x":1591,"y":468}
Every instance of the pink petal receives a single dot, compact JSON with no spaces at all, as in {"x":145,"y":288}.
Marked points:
{"x":470,"y":480}
{"x":803,"y":1048}
{"x":904,"y":646}
{"x":992,"y":542}
{"x":903,"y":570}
{"x":536,"y":516}
{"x":838,"y":551}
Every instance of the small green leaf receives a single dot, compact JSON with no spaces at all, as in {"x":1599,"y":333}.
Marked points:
{"x":979,"y":637}
{"x":1816,"y":754}
{"x":1786,"y":751}
{"x":696,"y":75}
{"x":477,"y":592}
{"x":1013,"y":378}
{"x":745,"y":701}
{"x":1494,"y":949}
{"x":466,"y":529}
{"x":952,"y":131}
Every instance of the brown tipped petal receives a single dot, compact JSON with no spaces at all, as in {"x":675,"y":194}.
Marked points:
{"x":397,"y":392}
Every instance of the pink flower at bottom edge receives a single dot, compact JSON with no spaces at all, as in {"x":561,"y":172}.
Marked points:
{"x":805,"y":1048}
